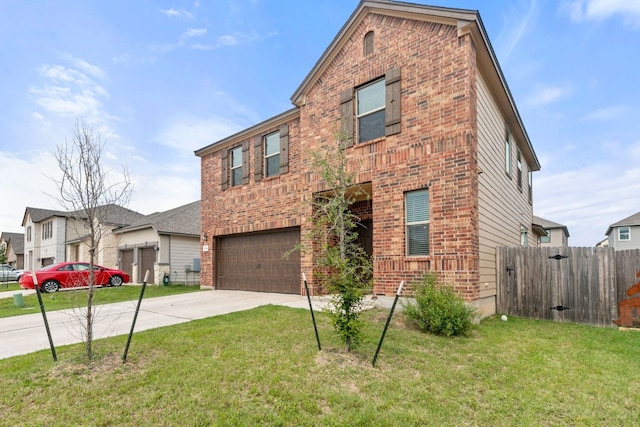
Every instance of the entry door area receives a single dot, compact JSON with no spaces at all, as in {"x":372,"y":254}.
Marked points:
{"x":254,"y":262}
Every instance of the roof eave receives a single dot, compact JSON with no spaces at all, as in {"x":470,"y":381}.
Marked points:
{"x":248,"y":132}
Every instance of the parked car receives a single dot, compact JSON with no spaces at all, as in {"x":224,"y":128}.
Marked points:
{"x":71,"y":275}
{"x":9,"y":274}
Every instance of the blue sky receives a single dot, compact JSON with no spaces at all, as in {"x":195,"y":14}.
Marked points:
{"x":160,"y":79}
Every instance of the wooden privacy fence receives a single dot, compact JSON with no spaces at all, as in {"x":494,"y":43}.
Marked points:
{"x":566,"y":284}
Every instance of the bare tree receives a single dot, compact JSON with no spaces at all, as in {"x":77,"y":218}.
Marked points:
{"x":86,"y":193}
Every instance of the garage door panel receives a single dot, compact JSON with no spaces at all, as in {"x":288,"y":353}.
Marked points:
{"x":254,"y":262}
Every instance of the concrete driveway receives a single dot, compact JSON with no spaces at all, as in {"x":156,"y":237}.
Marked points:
{"x":26,"y":334}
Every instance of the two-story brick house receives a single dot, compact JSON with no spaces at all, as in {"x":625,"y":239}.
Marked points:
{"x":436,"y":140}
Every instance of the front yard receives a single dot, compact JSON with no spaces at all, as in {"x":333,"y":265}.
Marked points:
{"x":262,"y":367}
{"x":73,"y":298}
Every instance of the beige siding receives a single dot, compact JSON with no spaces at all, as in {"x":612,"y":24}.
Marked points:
{"x":145,"y":237}
{"x":503,"y":208}
{"x":183,"y":250}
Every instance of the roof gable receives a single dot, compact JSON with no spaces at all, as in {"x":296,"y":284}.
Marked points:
{"x":183,"y":220}
{"x":626,"y":222}
{"x":465,"y":21}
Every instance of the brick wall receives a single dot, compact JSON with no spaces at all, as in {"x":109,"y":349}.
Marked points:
{"x":436,"y":149}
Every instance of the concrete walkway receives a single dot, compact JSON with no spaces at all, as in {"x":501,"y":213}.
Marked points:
{"x":26,"y":334}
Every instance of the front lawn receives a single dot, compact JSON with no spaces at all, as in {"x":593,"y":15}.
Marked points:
{"x":74,"y":298}
{"x":262,"y":367}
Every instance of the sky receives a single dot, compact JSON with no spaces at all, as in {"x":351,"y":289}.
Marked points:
{"x":156,"y":80}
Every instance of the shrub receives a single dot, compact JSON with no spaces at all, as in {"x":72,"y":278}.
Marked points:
{"x":438,"y":309}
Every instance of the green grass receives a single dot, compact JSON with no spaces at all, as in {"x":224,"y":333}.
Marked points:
{"x":9,"y":286}
{"x":78,"y":298}
{"x":262,"y":367}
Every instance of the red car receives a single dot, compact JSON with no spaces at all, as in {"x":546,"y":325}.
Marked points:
{"x":72,"y":274}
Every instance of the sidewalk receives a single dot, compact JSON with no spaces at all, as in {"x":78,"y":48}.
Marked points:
{"x":26,"y":334}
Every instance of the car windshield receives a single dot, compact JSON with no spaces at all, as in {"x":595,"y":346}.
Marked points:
{"x":50,"y":267}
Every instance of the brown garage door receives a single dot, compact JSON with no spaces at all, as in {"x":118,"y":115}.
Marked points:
{"x":254,"y":262}
{"x":126,"y":262}
{"x":146,"y":260}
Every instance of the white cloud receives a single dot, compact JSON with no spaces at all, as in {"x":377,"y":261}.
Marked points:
{"x":606,"y":113}
{"x":544,"y":95}
{"x":234,"y":39}
{"x":516,"y":24}
{"x":177,"y":13}
{"x":597,"y":10}
{"x":587,"y":200}
{"x":74,"y":91}
{"x":187,"y":134}
{"x":194,"y":32}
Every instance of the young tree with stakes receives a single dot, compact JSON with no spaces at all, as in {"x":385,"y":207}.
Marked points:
{"x":85,"y":192}
{"x":343,"y":266}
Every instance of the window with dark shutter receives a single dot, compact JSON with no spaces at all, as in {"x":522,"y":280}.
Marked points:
{"x":236,"y":166}
{"x":370,"y":111}
{"x":392,"y":105}
{"x":257,"y":158}
{"x":245,"y":162}
{"x":346,"y":115}
{"x":284,"y":148}
{"x":225,"y":170}
{"x":272,"y":154}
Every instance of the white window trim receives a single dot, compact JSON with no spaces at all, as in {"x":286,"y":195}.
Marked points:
{"x":233,"y":168}
{"x":620,"y":234}
{"x":268,"y":156}
{"x":368,"y":112}
{"x":413,"y":223}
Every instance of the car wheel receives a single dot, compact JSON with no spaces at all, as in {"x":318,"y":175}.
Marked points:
{"x":50,"y":286}
{"x":115,"y":281}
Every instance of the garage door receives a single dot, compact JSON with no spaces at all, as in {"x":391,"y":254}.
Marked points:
{"x":146,"y":261}
{"x":254,"y":262}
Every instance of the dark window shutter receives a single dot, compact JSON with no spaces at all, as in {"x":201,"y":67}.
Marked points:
{"x":392,"y":107}
{"x":284,"y":148}
{"x":346,"y":115}
{"x":257,"y":158}
{"x":245,"y":162}
{"x":225,"y":170}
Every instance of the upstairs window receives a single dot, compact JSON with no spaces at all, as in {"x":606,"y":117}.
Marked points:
{"x":373,"y":109}
{"x":28,"y":233}
{"x":524,"y":236}
{"x":370,"y":112}
{"x":547,"y":238}
{"x":271,"y":153}
{"x":236,"y":166}
{"x":519,"y":171}
{"x":507,"y":152}
{"x":47,"y":230}
{"x":530,"y":186}
{"x":417,"y":222}
{"x":624,"y":233}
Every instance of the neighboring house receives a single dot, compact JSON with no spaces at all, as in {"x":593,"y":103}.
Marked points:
{"x":554,"y":234}
{"x":603,"y":243}
{"x":54,"y":236}
{"x":162,"y":243}
{"x":435,"y":138}
{"x":14,"y":248}
{"x":625,"y":234}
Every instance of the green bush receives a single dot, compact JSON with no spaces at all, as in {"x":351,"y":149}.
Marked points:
{"x":438,"y":309}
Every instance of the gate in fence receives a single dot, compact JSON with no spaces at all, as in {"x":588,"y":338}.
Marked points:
{"x":565,"y":284}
